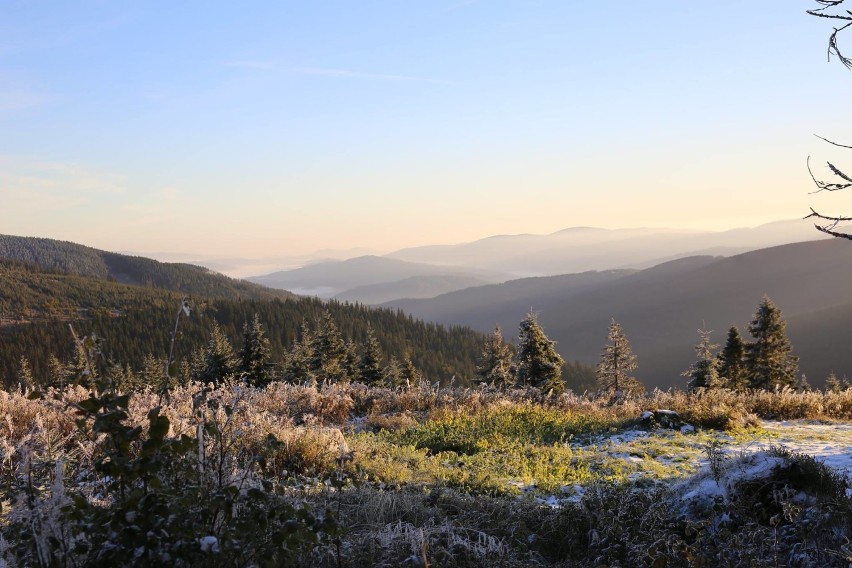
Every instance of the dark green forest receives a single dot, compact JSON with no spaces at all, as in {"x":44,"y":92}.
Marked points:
{"x":134,"y":321}
{"x":69,"y":258}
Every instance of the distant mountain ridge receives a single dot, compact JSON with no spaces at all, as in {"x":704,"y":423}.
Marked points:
{"x":662,"y":307}
{"x":427,"y":286}
{"x":428,"y":271}
{"x":328,"y":279}
{"x":578,"y":249}
{"x":80,"y":260}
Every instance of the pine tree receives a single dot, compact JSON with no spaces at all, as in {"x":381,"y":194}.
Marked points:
{"x":392,"y":374}
{"x":833,"y":384}
{"x":25,"y":375}
{"x":495,"y":362}
{"x":350,"y":363}
{"x":617,"y":362}
{"x":704,"y":372}
{"x":152,"y":371}
{"x":538,"y":363}
{"x":732,"y":370}
{"x":219,"y":360}
{"x":769,"y":361}
{"x":370,"y":367}
{"x":329,"y":350}
{"x":254,"y":354}
{"x":409,"y":374}
{"x":297,"y":362}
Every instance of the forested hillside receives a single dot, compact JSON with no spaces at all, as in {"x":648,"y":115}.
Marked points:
{"x":135,"y":321}
{"x":70,"y":258}
{"x":661,"y":308}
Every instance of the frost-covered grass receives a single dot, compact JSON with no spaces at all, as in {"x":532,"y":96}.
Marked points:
{"x":438,"y":477}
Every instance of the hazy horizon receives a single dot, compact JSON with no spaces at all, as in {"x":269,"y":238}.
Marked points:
{"x":285,"y":129}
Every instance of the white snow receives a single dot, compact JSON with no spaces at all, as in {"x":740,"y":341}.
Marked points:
{"x":209,"y":544}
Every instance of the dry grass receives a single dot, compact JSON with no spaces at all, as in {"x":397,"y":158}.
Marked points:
{"x":407,"y":497}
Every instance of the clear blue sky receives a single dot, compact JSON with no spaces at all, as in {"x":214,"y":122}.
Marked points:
{"x":258,"y":128}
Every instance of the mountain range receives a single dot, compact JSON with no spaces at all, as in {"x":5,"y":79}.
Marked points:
{"x":428,"y":271}
{"x":661,"y":308}
{"x":375,"y":279}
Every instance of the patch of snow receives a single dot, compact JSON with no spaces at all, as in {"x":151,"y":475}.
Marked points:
{"x":209,"y":544}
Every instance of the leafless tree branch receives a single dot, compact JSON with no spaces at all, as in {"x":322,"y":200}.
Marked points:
{"x":829,"y":228}
{"x":834,"y":143}
{"x":831,"y":223}
{"x":827,"y":186}
{"x":846,"y":16}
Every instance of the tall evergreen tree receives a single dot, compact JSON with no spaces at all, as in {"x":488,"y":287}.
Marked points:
{"x":410,"y":375}
{"x":769,"y":359}
{"x":495,"y":362}
{"x":616,"y":364}
{"x":392,"y":374}
{"x":219,"y":360}
{"x":732,"y":368}
{"x":329,"y":350}
{"x":25,"y":375}
{"x":297,"y":362}
{"x":538,"y":363}
{"x":254,"y":354}
{"x":350,"y":362}
{"x":151,"y":371}
{"x":704,"y":372}
{"x":370,"y":366}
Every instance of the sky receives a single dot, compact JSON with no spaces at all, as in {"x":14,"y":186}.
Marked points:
{"x":276,"y":127}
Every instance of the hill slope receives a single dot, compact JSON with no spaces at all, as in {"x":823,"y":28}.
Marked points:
{"x":71,"y":258}
{"x":662,"y":307}
{"x":414,"y":287}
{"x":326,"y":279}
{"x":580,"y":249}
{"x":36,"y":308}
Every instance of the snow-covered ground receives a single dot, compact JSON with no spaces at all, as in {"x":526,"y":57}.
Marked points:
{"x":683,"y":454}
{"x":830,"y":443}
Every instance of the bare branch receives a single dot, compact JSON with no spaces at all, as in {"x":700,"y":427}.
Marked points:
{"x":833,"y":143}
{"x":826,"y":217}
{"x":830,"y":226}
{"x":827,"y":186}
{"x":833,"y":48}
{"x":829,"y":229}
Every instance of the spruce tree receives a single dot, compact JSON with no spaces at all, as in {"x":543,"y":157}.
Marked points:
{"x":769,"y":361}
{"x":219,"y":360}
{"x":538,"y":363}
{"x":392,"y":374}
{"x":350,"y":363}
{"x":704,"y":372}
{"x":370,"y":367}
{"x":833,"y":384}
{"x":254,"y":354}
{"x":410,"y":376}
{"x":297,"y":363}
{"x":617,"y":362}
{"x":329,"y":350}
{"x":495,"y":362}
{"x":25,"y":375}
{"x":732,"y":370}
{"x":151,"y":371}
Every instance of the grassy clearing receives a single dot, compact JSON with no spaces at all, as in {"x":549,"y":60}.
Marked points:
{"x":437,"y":477}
